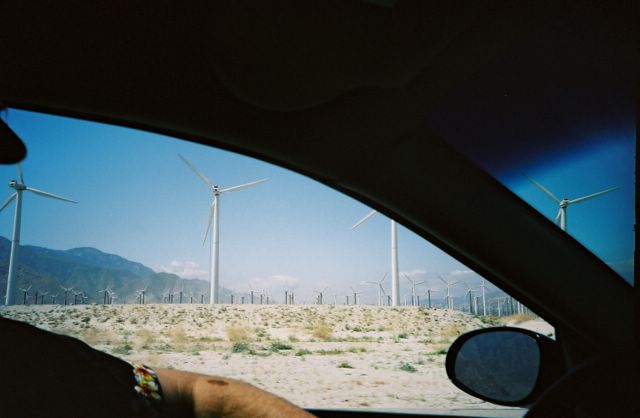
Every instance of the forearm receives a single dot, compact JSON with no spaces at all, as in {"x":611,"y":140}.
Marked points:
{"x":191,"y":394}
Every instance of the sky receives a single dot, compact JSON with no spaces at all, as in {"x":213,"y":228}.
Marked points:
{"x":137,"y":199}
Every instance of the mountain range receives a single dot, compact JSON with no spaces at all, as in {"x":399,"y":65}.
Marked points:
{"x":89,"y":270}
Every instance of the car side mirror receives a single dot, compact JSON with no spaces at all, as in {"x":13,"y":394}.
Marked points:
{"x":504,"y":365}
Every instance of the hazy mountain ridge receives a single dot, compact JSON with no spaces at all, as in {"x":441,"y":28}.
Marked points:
{"x":90,"y":270}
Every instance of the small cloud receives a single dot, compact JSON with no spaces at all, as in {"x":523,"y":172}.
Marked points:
{"x":185,"y":269}
{"x":414,"y":273}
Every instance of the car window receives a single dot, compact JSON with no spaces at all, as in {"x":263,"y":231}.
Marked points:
{"x":119,"y":256}
{"x":569,"y":152}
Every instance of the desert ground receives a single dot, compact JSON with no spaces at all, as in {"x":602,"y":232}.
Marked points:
{"x":314,"y":355}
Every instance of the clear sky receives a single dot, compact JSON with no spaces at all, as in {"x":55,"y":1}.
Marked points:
{"x":137,"y":199}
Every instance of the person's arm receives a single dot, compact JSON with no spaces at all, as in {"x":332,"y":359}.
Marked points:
{"x":196,"y":395}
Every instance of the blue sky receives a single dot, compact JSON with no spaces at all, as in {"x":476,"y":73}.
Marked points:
{"x":138,"y":200}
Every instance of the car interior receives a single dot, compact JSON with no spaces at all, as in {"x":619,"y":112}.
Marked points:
{"x":365,"y":95}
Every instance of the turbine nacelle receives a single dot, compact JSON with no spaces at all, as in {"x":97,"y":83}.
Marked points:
{"x":18,"y":186}
{"x":561,"y":217}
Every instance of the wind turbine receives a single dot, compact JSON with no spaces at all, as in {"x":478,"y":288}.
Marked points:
{"x":75,"y":296}
{"x":380,"y":288}
{"x":427,"y":292}
{"x":448,"y":283}
{"x":355,"y":295}
{"x":105,"y":291}
{"x":413,"y":289}
{"x":561,"y":217}
{"x":320,"y":298}
{"x":395,"y":282}
{"x":214,"y":219}
{"x":24,"y":294}
{"x":20,"y":187}
{"x":470,"y":293}
{"x":66,"y":290}
{"x":484,"y":305}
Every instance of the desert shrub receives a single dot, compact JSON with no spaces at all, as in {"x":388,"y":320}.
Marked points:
{"x":293,"y":339}
{"x":302,"y":352}
{"x":123,"y":349}
{"x":357,"y":350}
{"x":277,"y":346}
{"x":403,"y":335}
{"x":145,"y":339}
{"x":344,"y":365}
{"x":453,"y":331}
{"x":518,"y":318}
{"x":407,"y":367}
{"x":238,"y":334}
{"x":322,"y":330}
{"x":332,"y":352}
{"x":240,"y":347}
{"x":98,"y":336}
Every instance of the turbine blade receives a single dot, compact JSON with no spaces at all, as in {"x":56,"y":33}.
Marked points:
{"x":20,"y":173}
{"x":196,"y":171}
{"x":558,"y":216}
{"x":9,"y":200}
{"x":206,"y":231}
{"x":367,"y":216}
{"x":51,"y":195}
{"x":582,"y":199}
{"x":544,"y":190}
{"x":441,"y":279}
{"x":243,"y":186}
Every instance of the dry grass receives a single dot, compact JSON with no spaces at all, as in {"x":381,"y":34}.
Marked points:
{"x":322,"y":331}
{"x":144,"y":339}
{"x":452,"y":331}
{"x":518,"y":318}
{"x":238,"y":334}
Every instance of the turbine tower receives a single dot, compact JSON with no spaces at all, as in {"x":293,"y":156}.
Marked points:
{"x":395,"y":282}
{"x":20,"y":187}
{"x":561,"y":217}
{"x":214,"y":219}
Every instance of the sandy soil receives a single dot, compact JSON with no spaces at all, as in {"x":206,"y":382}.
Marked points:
{"x":315,"y":356}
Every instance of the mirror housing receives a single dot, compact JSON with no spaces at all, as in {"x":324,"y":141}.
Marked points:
{"x":504,"y":365}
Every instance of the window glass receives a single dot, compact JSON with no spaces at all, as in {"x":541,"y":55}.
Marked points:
{"x":570,"y":153}
{"x":303,"y":296}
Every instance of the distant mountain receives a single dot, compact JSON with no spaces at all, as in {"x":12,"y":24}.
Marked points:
{"x":90,"y":270}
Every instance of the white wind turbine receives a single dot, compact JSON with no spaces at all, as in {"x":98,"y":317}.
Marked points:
{"x":448,"y":283}
{"x":561,"y":217}
{"x":355,"y":295}
{"x":214,"y":219}
{"x":381,"y":291}
{"x":427,"y":292}
{"x":414,"y":297}
{"x":20,"y":187}
{"x":395,"y":282}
